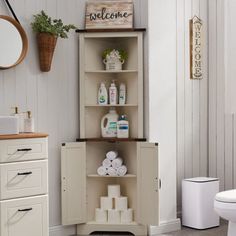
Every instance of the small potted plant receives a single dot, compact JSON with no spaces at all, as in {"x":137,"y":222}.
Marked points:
{"x":48,"y":31}
{"x":114,"y":58}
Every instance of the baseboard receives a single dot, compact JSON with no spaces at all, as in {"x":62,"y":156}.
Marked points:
{"x":165,"y":227}
{"x":62,"y":230}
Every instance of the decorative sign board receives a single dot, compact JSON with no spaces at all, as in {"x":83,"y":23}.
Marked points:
{"x":196,"y":63}
{"x":109,"y":15}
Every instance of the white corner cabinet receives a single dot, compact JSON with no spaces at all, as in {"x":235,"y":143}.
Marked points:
{"x":81,"y":186}
{"x":24,"y":185}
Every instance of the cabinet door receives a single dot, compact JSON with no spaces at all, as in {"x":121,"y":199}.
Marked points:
{"x":148,"y":187}
{"x":73,"y":179}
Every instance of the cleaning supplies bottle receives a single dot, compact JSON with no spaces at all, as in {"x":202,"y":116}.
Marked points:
{"x":113,"y":93}
{"x":109,"y":124}
{"x":29,"y":123}
{"x":122,"y":94}
{"x":123,"y":127}
{"x":102,"y":94}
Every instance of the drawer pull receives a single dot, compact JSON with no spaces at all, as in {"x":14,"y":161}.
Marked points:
{"x":25,"y":173}
{"x":24,"y":149}
{"x":26,"y":209}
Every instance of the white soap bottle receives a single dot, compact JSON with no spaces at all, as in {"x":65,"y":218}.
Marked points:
{"x":113,"y":93}
{"x":123,"y":127}
{"x":102,"y":94}
{"x":29,"y":123}
{"x":16,"y":114}
{"x":122,"y":94}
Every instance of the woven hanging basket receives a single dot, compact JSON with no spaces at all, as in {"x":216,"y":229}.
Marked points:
{"x":46,"y":46}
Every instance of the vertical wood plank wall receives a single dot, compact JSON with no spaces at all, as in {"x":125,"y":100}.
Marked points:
{"x":52,"y":97}
{"x":192,"y":98}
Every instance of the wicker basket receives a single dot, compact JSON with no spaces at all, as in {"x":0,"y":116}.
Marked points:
{"x":46,"y":46}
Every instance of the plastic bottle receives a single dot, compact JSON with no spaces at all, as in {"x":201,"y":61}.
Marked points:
{"x":123,"y":127}
{"x":102,"y":94}
{"x":16,"y":115}
{"x":109,"y":124}
{"x":122,"y":94}
{"x":113,"y":93}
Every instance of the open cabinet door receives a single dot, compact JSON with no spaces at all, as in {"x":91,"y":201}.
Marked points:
{"x":73,"y":179}
{"x":148,"y":183}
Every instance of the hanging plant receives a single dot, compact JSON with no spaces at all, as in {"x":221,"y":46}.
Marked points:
{"x":48,"y":31}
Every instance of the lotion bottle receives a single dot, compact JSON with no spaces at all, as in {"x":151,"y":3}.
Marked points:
{"x":16,"y":114}
{"x":113,"y":93}
{"x":122,"y":94}
{"x":102,"y":95}
{"x":29,"y":123}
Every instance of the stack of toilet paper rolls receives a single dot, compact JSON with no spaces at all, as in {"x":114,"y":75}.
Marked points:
{"x":112,"y":165}
{"x":114,"y":208}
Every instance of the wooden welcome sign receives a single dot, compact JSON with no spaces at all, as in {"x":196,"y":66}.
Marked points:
{"x":109,"y":15}
{"x":196,"y":64}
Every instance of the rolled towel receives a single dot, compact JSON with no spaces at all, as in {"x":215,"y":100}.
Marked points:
{"x":112,"y":155}
{"x":117,"y":163}
{"x":121,"y":171}
{"x":106,"y":163}
{"x":102,"y":171}
{"x":112,"y":171}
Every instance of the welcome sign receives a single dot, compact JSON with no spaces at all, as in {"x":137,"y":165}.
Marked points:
{"x":109,"y":15}
{"x":196,"y":64}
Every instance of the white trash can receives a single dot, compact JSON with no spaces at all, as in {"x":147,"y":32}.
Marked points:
{"x":198,"y":202}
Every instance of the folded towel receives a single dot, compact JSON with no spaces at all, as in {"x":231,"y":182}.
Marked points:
{"x":112,"y":155}
{"x":102,"y":171}
{"x":117,"y":163}
{"x":121,"y":171}
{"x":112,"y":171}
{"x":106,"y":163}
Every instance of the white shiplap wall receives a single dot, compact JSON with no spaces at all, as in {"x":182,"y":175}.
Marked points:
{"x":192,"y":98}
{"x":52,"y":97}
{"x":222,"y":86}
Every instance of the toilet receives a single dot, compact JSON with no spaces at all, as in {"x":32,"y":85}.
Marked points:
{"x":225,"y":206}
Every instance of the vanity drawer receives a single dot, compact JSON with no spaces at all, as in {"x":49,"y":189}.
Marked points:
{"x":23,"y":149}
{"x":24,"y":217}
{"x":23,"y":179}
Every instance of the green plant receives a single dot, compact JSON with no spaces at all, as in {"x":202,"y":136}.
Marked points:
{"x":44,"y":24}
{"x":120,"y":53}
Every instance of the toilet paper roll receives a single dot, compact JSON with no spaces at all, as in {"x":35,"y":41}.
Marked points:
{"x":113,"y":191}
{"x":117,"y":163}
{"x":106,"y":203}
{"x":112,"y":155}
{"x":121,"y":203}
{"x":121,"y":171}
{"x":126,"y":216}
{"x":106,"y":163}
{"x":114,"y":216}
{"x":112,"y":171}
{"x":100,"y":215}
{"x":102,"y":171}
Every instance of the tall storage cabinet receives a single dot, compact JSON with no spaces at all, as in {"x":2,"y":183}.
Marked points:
{"x":81,"y":186}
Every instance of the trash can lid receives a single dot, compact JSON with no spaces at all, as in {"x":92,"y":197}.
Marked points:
{"x":201,"y":179}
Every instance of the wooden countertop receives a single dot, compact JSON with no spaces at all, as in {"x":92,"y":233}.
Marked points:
{"x":23,"y":136}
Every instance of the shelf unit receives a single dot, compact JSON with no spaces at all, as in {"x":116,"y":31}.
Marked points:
{"x":81,"y":186}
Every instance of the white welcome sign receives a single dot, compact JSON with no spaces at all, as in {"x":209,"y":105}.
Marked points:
{"x":196,"y":63}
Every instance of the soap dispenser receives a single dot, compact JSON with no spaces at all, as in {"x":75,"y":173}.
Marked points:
{"x":29,"y":123}
{"x":20,"y":117}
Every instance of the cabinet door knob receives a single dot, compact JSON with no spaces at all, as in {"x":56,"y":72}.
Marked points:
{"x":25,"y":173}
{"x":24,"y":149}
{"x":26,"y":209}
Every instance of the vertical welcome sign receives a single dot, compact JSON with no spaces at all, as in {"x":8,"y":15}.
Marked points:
{"x":196,"y":63}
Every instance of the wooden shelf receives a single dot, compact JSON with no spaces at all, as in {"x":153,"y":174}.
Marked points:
{"x":109,"y":105}
{"x":108,"y":176}
{"x":111,"y":71}
{"x":110,"y":30}
{"x":112,"y":140}
{"x":23,"y":136}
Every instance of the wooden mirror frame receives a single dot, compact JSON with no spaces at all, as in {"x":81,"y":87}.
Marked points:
{"x":23,"y":38}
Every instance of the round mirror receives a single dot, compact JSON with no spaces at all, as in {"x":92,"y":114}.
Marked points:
{"x":14,"y":43}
